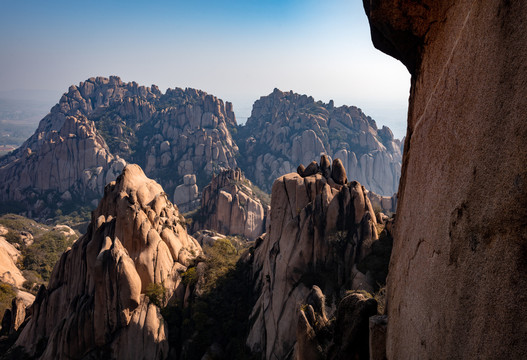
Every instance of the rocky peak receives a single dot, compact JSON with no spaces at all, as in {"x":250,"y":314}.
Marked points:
{"x":135,"y":244}
{"x":230,"y":206}
{"x":69,"y":164}
{"x":286,"y":128}
{"x":181,"y":132}
{"x":321,"y":227}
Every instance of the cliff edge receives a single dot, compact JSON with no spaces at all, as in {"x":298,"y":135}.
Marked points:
{"x":457,"y":286}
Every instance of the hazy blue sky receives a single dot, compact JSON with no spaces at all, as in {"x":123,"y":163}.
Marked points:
{"x":237,"y":50}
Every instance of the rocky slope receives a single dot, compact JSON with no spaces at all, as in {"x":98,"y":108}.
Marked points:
{"x":28,"y":251}
{"x":321,"y":227}
{"x":99,"y":125}
{"x":96,"y":304}
{"x":286,"y":129}
{"x":457,"y":284}
{"x":229,"y":206}
{"x":68,"y":163}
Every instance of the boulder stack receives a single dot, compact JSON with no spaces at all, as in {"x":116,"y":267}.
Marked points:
{"x":318,"y":232}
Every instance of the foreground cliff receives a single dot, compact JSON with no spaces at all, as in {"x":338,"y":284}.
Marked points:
{"x":286,"y":129}
{"x":96,"y":304}
{"x":457,"y":286}
{"x":321,"y":228}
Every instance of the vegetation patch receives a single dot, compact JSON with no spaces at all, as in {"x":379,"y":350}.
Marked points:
{"x":156,"y":293}
{"x":220,"y":313}
{"x":41,"y":256}
{"x":7,"y":294}
{"x":37,"y":259}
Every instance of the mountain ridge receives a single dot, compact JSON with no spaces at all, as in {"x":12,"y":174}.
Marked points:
{"x":102,"y":124}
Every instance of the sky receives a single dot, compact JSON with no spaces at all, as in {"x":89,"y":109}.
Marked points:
{"x":237,"y":50}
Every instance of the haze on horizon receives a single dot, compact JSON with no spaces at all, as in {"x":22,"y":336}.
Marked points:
{"x":236,"y":50}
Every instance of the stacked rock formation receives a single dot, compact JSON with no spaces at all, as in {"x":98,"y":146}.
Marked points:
{"x":457,"y":286}
{"x":287,"y":128}
{"x":99,"y":125}
{"x":186,"y":195}
{"x":95,"y":305}
{"x":320,"y":228}
{"x":230,"y":207}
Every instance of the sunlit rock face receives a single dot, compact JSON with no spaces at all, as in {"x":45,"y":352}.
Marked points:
{"x":100,"y":125}
{"x":95,"y":305}
{"x":231,"y":207}
{"x":286,"y":129}
{"x":457,"y":284}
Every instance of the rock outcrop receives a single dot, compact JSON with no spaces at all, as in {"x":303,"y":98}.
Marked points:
{"x":99,"y":125}
{"x":230,"y":207}
{"x":386,"y":204}
{"x":345,"y":336}
{"x":20,"y":311}
{"x":186,"y":195}
{"x":457,"y":286}
{"x":318,"y":232}
{"x":9,"y":272}
{"x":286,"y":129}
{"x":96,"y":304}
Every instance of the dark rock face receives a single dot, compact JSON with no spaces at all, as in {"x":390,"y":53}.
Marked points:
{"x":346,"y":336}
{"x":378,"y":327}
{"x":286,"y":129}
{"x":101,"y":124}
{"x":311,"y":169}
{"x":325,"y":166}
{"x":352,"y":327}
{"x":457,"y":284}
{"x":338,"y":173}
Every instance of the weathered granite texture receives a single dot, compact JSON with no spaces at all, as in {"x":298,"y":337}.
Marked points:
{"x":457,"y":287}
{"x":97,"y":304}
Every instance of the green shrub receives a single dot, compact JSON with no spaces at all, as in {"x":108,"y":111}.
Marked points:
{"x":156,"y":293}
{"x":7,"y":294}
{"x":13,"y":237}
{"x":190,"y":277}
{"x":43,"y":254}
{"x":361,"y":292}
{"x":220,"y":313}
{"x":380,"y":297}
{"x":19,"y":223}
